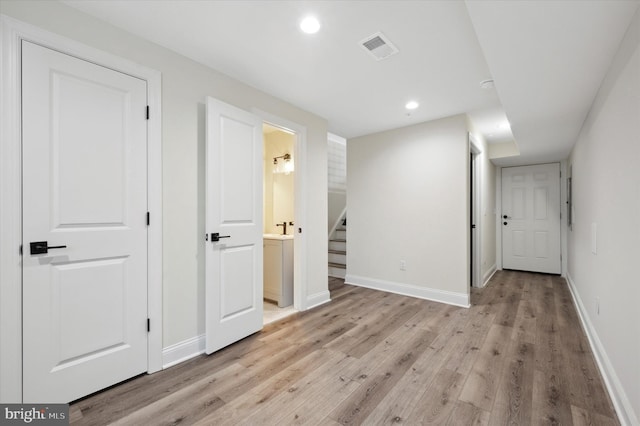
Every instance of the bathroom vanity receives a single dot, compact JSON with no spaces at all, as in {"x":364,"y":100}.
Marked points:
{"x":278,"y":268}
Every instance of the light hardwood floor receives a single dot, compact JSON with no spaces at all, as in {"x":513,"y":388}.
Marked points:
{"x":517,"y":356}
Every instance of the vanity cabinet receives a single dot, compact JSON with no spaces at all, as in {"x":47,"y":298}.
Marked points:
{"x":278,"y":269}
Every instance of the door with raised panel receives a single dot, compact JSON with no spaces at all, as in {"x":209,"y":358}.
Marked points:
{"x":84,"y":226}
{"x":531,"y":218}
{"x":233,"y":289}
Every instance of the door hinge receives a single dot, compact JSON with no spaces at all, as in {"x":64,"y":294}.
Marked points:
{"x":147,"y":112}
{"x":148,"y":325}
{"x":148,"y":218}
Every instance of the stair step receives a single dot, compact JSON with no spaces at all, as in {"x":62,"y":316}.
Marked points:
{"x":337,"y":265}
{"x":337,"y":251}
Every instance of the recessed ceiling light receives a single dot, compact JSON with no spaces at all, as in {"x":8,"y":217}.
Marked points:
{"x":310,"y":25}
{"x":412,"y":105}
{"x":487,"y":84}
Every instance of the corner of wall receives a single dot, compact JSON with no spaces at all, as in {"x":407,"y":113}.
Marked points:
{"x":435,"y":295}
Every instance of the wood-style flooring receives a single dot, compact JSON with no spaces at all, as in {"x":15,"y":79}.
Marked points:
{"x":518,"y":356}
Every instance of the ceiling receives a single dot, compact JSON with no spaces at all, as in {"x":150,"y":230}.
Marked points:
{"x":547,"y":59}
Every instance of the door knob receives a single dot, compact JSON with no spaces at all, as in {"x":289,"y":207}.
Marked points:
{"x":42,"y":247}
{"x":215,"y":236}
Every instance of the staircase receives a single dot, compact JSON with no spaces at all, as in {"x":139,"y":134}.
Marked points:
{"x":338,"y":251}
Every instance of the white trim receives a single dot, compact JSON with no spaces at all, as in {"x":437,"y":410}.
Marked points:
{"x":476,"y":193}
{"x":499,"y":218}
{"x":489,"y":274}
{"x":318,"y":299}
{"x":442,"y":296}
{"x":12,"y":33}
{"x":563,"y":219}
{"x":620,"y":400}
{"x":10,"y":217}
{"x":300,"y":205}
{"x":183,"y":351}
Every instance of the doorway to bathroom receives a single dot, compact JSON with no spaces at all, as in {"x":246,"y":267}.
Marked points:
{"x":279,"y":222}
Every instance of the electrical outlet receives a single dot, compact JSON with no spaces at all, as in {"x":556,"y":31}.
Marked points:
{"x":403,"y":265}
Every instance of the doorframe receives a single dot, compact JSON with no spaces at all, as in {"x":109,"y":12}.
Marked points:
{"x":563,"y":225}
{"x":475,"y":152}
{"x":300,"y":290}
{"x":12,"y":33}
{"x":498,"y":208}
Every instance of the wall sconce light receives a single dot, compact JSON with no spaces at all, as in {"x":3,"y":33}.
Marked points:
{"x":283,"y":164}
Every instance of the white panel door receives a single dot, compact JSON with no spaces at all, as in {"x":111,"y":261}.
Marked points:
{"x":234,"y":212}
{"x":531,"y":218}
{"x":84,"y":196}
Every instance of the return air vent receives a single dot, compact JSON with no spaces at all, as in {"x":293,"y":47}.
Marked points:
{"x":378,"y":46}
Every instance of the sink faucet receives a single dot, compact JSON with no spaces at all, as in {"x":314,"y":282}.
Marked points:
{"x":284,"y":227}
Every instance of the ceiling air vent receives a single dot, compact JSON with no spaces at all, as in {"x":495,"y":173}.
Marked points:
{"x":378,"y":46}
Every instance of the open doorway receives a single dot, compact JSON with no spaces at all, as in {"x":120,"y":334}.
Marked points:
{"x":474,"y":214}
{"x":278,"y":222}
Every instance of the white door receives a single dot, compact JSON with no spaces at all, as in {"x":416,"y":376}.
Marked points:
{"x":84,"y":196}
{"x":531,"y":218}
{"x":234,"y":212}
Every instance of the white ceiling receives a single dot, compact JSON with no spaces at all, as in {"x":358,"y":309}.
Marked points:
{"x":547,"y":59}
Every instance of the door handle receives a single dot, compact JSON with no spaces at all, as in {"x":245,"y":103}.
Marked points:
{"x":215,"y":236}
{"x":42,"y":247}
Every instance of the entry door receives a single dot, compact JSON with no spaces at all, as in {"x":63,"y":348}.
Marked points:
{"x":234,"y":212}
{"x":84,"y":212}
{"x":531,"y":218}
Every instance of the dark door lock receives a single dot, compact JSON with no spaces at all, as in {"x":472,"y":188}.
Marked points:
{"x":504,"y":223}
{"x":42,"y":247}
{"x":215,"y":236}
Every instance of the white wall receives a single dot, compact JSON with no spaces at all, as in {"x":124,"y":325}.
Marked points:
{"x":606,"y":193}
{"x":185,"y":84}
{"x":408,"y":200}
{"x":503,"y":149}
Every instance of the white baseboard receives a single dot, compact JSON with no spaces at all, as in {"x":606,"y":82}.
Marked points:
{"x":621,"y":402}
{"x":182,"y":351}
{"x":487,"y":276}
{"x":448,"y":297}
{"x":318,"y":299}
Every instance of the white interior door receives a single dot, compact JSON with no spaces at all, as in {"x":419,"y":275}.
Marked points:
{"x":234,"y":212}
{"x":84,"y":196}
{"x":531,"y":218}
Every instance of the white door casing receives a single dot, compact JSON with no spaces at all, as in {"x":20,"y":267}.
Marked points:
{"x":84,"y":187}
{"x":233,"y":276}
{"x":530,"y":218}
